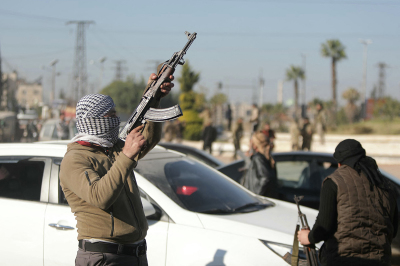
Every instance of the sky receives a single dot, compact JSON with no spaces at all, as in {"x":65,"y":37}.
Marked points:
{"x":237,"y":42}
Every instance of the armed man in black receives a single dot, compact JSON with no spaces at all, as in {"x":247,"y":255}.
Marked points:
{"x":357,"y":214}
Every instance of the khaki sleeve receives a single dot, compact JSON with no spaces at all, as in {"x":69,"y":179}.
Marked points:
{"x":78,"y":175}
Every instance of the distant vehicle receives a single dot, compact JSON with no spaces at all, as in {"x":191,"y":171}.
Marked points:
{"x":49,"y":130}
{"x":8,"y":127}
{"x":196,"y":215}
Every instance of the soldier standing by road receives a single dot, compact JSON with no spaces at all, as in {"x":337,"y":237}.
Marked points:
{"x":320,"y":122}
{"x":357,"y":217}
{"x":237,"y":134}
{"x":306,"y":133}
{"x":98,"y":182}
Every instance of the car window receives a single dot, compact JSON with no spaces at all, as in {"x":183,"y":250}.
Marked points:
{"x":54,"y":135}
{"x":21,"y":178}
{"x":193,"y":186}
{"x":292,"y":173}
{"x":47,"y":130}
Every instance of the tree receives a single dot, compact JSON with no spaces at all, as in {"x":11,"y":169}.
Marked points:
{"x":387,"y":108}
{"x":335,"y":50}
{"x":188,"y":78}
{"x":351,"y":95}
{"x":187,"y":101}
{"x":126,"y":94}
{"x":295,"y":73}
{"x":218,"y":99}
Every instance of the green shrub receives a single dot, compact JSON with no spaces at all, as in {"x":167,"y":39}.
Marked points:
{"x":193,"y":125}
{"x":360,"y":129}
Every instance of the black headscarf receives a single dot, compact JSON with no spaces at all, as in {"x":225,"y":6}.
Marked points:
{"x":351,"y":153}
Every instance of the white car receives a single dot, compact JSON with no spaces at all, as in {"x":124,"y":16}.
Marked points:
{"x":197,"y":216}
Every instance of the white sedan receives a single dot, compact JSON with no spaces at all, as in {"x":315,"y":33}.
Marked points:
{"x":197,"y":216}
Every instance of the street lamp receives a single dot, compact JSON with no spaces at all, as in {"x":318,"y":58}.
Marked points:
{"x":364,"y":82}
{"x":101,"y":60}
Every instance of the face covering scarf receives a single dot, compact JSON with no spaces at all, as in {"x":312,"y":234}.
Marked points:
{"x":92,"y":126}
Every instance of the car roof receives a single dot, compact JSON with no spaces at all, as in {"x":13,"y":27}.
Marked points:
{"x":303,"y":153}
{"x":183,"y":148}
{"x":32,"y":149}
{"x":59,"y":148}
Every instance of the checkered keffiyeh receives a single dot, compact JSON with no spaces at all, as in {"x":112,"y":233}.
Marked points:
{"x":90,"y":119}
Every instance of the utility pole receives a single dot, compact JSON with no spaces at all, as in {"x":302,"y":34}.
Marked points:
{"x":262,"y":82}
{"x":280,"y":92}
{"x":364,"y":83}
{"x":53,"y":81}
{"x":303,"y":92}
{"x":381,"y":81}
{"x":102,"y":60}
{"x":79,"y":82}
{"x":119,"y":69}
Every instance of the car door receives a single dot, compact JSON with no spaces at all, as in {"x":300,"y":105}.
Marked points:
{"x":60,"y":233}
{"x":24,"y":183}
{"x":302,"y":175}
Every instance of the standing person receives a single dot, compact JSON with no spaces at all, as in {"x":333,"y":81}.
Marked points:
{"x":261,"y":176}
{"x":357,"y":217}
{"x":294,"y":134}
{"x":63,"y":127}
{"x":237,"y":134}
{"x":255,"y":118}
{"x":169,"y":131}
{"x":179,"y":127}
{"x":270,"y":133}
{"x":306,"y":133}
{"x":228,"y":116}
{"x":320,"y":122}
{"x":206,"y":116}
{"x":98,"y":181}
{"x":209,"y":136}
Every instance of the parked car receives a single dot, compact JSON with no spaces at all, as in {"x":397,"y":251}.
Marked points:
{"x":49,"y":130}
{"x":196,"y":215}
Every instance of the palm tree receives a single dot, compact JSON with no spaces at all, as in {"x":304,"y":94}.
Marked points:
{"x":335,"y":50}
{"x":295,"y":73}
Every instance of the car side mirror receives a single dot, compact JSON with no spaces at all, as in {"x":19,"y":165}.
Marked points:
{"x":147,"y":207}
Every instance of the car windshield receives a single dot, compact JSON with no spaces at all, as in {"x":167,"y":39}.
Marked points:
{"x":198,"y":188}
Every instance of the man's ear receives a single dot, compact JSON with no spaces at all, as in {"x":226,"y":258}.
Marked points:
{"x":339,"y":164}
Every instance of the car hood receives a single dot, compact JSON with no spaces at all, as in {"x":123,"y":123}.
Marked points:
{"x":276,"y":223}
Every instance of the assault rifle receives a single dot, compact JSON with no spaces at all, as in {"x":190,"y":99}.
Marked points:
{"x":143,"y":112}
{"x":309,"y":250}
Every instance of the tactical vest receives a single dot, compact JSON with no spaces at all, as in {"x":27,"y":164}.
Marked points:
{"x":364,"y":229}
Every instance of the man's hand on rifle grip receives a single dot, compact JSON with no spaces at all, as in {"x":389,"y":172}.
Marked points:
{"x":165,"y":87}
{"x":134,"y":143}
{"x":302,"y":235}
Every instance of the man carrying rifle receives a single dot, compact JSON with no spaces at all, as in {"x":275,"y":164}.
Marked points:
{"x":98,"y":182}
{"x":357,"y":217}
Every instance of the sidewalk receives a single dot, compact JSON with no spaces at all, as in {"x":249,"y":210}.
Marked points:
{"x":385,"y":149}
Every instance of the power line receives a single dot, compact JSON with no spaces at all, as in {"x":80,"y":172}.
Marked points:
{"x":19,"y":14}
{"x":335,"y":2}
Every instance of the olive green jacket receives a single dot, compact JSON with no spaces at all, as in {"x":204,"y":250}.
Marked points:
{"x":101,"y":189}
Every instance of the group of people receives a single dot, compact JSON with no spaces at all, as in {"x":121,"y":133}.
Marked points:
{"x":357,"y":218}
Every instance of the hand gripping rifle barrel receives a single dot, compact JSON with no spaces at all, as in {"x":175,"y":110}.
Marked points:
{"x":143,"y":111}
{"x":309,"y":250}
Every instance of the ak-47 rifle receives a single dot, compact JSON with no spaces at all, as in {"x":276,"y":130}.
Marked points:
{"x":143,"y":112}
{"x":309,"y":250}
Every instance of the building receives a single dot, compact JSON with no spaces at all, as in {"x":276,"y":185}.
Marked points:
{"x":29,"y":94}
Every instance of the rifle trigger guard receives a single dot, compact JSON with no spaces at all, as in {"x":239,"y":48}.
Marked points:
{"x":182,"y":61}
